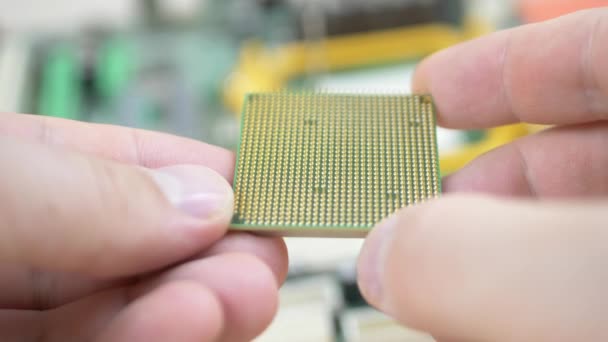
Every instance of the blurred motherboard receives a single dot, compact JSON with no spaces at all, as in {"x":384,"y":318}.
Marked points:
{"x":185,"y":75}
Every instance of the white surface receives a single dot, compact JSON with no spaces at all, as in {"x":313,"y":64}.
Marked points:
{"x":321,"y":253}
{"x":305,"y":311}
{"x":391,"y":79}
{"x":14,"y":61}
{"x":181,"y":9}
{"x":369,"y":325}
{"x":300,"y":323}
{"x":63,"y":15}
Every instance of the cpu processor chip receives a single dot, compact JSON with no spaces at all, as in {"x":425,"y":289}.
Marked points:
{"x":332,"y":165}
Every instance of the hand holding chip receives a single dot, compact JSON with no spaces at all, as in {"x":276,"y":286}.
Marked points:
{"x":524,"y":259}
{"x":113,"y":234}
{"x":124,"y":232}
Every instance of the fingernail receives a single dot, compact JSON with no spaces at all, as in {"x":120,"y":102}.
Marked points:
{"x":196,"y":190}
{"x":372,"y":260}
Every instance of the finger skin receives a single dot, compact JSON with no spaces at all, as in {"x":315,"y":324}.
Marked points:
{"x":178,"y":311}
{"x":20,"y":325}
{"x":30,"y":288}
{"x":244,"y":284}
{"x":41,"y":289}
{"x":560,"y":162}
{"x":125,"y":145}
{"x":116,"y":314}
{"x":484,"y":269}
{"x":271,"y":250}
{"x":91,"y":216}
{"x":553,"y":72}
{"x":237,"y":292}
{"x":38,"y":289}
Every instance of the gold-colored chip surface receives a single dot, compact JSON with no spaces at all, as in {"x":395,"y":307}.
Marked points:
{"x":332,"y":164}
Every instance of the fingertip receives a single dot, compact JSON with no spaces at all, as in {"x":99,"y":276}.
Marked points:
{"x":420,"y":78}
{"x":462,"y":265}
{"x":202,"y":200}
{"x":371,"y":261}
{"x":244,"y":284}
{"x":253,"y":310}
{"x":426,"y":257}
{"x":280,"y":265}
{"x":425,"y":70}
{"x":270,"y":250}
{"x":398,"y":263}
{"x":459,"y":76}
{"x":196,"y":190}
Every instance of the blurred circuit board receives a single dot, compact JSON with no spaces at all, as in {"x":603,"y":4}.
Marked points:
{"x":177,"y":74}
{"x":139,"y":79}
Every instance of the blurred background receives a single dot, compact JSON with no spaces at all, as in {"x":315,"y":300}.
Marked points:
{"x":184,"y":66}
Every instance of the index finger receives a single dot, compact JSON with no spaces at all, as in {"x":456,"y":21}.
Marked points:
{"x":554,"y":72}
{"x":122,"y":144}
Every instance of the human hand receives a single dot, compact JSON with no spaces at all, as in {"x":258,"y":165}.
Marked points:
{"x":527,"y":260}
{"x":113,"y":234}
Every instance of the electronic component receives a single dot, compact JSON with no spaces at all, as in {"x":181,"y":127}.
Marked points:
{"x":327,"y":36}
{"x":332,"y":164}
{"x":341,"y":17}
{"x":60,"y":93}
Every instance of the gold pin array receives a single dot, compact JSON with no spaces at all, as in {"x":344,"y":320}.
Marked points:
{"x":328,"y":164}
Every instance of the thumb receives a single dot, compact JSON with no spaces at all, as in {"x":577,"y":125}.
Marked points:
{"x":479,"y":268}
{"x":70,"y":212}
